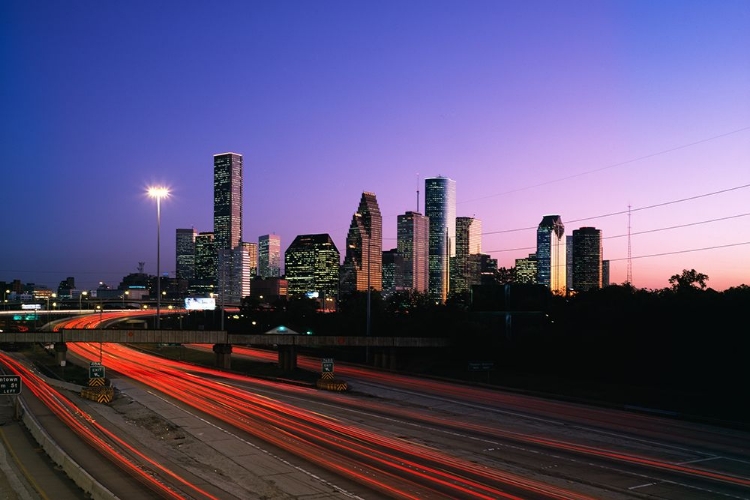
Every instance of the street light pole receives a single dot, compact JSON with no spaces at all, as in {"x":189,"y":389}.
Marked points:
{"x":158,"y":193}
{"x":48,"y":297}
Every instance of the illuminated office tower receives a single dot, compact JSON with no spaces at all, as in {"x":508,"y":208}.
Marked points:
{"x":205,"y":264}
{"x":526,"y":270}
{"x":227,"y":200}
{"x":269,"y":256}
{"x":466,"y":271}
{"x":185,"y":254}
{"x":393,"y":275}
{"x":252,"y":255}
{"x":551,"y":254}
{"x":363,"y":261}
{"x":569,"y":262}
{"x":227,"y":222}
{"x":587,"y":259}
{"x":440,"y":208}
{"x":311,"y":265}
{"x":413,"y":246}
{"x":236,"y":268}
{"x":605,"y":273}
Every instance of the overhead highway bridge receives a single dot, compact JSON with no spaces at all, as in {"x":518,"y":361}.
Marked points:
{"x":386,"y":348}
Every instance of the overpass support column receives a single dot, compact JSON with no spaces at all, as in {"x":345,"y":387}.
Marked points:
{"x":385,"y":357}
{"x":223,"y":356}
{"x":389,"y":358}
{"x":288,"y":357}
{"x":377,"y":357}
{"x":61,"y":348}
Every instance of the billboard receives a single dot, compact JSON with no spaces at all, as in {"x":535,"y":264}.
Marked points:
{"x":200,"y":303}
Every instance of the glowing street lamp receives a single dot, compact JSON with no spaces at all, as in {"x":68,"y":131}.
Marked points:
{"x":80,"y":307}
{"x":158,"y":193}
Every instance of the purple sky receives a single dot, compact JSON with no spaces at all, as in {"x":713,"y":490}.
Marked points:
{"x":572,"y":108}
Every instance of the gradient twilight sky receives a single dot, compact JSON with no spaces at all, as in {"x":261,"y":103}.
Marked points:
{"x":574,"y":108}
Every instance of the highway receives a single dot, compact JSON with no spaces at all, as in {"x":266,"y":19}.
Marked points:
{"x":395,"y":436}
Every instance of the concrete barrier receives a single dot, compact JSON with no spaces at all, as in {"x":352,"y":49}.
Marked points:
{"x":83,"y":479}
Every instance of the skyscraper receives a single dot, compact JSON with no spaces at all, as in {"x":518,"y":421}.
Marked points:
{"x":393,"y":275}
{"x":412,"y":245}
{"x":252,"y":257}
{"x":465,"y":271}
{"x":551,"y":254}
{"x":205,"y":264}
{"x":312,"y":264}
{"x":527,"y":270}
{"x":587,"y":259}
{"x":605,"y":273}
{"x":185,"y":253}
{"x":269,"y":256}
{"x":243,"y":266}
{"x":440,"y":208}
{"x":227,"y":200}
{"x":569,"y":262}
{"x":227,"y":221}
{"x":363,"y":262}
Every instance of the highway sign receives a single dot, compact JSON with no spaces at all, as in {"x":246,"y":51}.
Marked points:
{"x":327,"y":365}
{"x":478,"y":366}
{"x":96,"y":370}
{"x":10,"y":384}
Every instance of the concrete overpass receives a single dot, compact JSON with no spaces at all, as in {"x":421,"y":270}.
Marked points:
{"x":384,"y":356}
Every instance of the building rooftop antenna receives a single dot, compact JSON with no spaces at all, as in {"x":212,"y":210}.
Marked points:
{"x":417,"y":192}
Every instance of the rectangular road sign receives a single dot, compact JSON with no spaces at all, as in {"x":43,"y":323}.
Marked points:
{"x":10,"y":384}
{"x":96,"y":370}
{"x":479,"y":366}
{"x":327,"y":365}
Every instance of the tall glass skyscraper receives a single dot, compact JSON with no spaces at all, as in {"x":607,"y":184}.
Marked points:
{"x":587,"y":259}
{"x":206,"y":259}
{"x":465,"y":271}
{"x":412,"y":246}
{"x":185,"y":253}
{"x":363,"y":261}
{"x":440,"y":208}
{"x":269,"y":256}
{"x":227,"y":221}
{"x":227,"y":200}
{"x":551,"y":254}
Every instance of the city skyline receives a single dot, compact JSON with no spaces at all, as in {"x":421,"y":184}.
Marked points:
{"x":577,"y":109}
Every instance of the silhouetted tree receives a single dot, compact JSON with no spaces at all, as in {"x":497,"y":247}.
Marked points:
{"x":688,"y":280}
{"x":506,"y":275}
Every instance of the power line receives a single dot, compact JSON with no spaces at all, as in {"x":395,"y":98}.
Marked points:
{"x":728,"y":245}
{"x":637,"y":209}
{"x":614,"y":165}
{"x":679,"y":226}
{"x":648,"y":231}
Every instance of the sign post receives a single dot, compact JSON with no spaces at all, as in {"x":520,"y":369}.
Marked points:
{"x":327,"y":365}
{"x":327,"y":368}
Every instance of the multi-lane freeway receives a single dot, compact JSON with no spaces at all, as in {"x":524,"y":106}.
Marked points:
{"x":395,"y":436}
